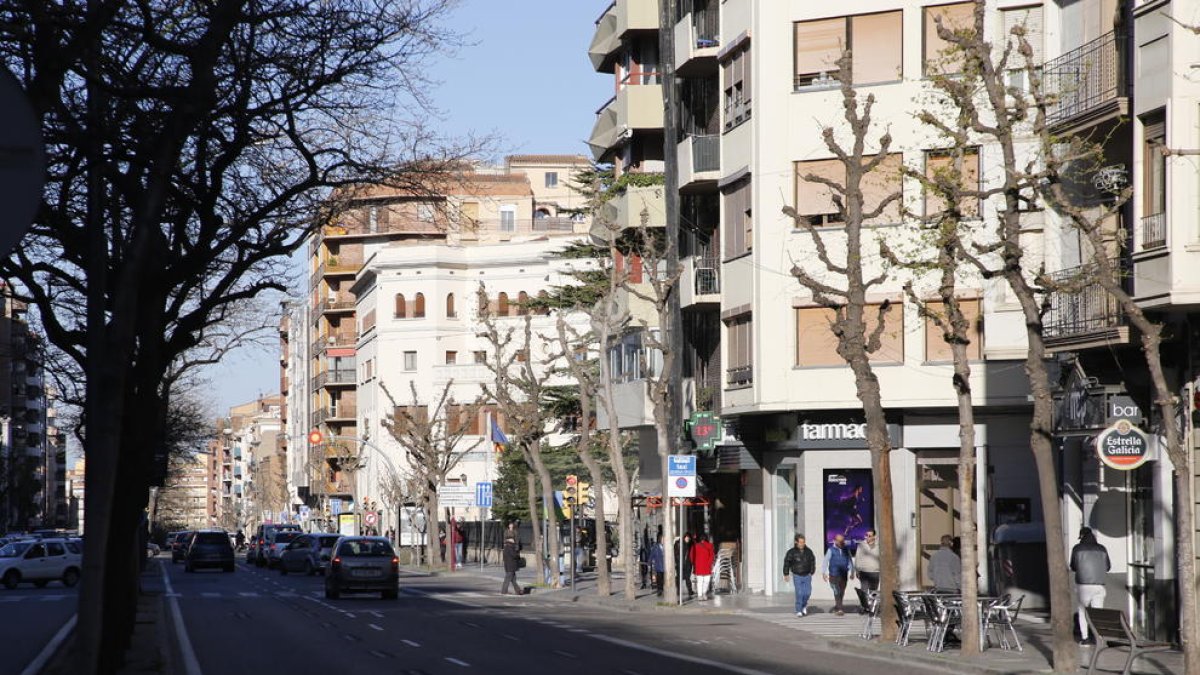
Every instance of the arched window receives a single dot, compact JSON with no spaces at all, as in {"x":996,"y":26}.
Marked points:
{"x":419,"y":306}
{"x":401,"y":306}
{"x":450,"y":311}
{"x":544,"y":310}
{"x":502,"y":304}
{"x":522,"y":303}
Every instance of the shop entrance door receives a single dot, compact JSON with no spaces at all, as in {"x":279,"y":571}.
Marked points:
{"x":937,"y":504}
{"x":1144,"y":599}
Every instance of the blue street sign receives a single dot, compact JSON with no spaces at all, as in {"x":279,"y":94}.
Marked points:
{"x":335,"y":507}
{"x":681,"y":465}
{"x":483,"y":494}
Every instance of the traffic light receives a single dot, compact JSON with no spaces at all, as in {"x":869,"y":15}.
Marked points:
{"x":570,"y":495}
{"x":582,"y":493}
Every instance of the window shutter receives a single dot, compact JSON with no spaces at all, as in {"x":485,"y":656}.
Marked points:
{"x":876,"y":43}
{"x":1031,"y":17}
{"x":816,"y":199}
{"x":819,"y":45}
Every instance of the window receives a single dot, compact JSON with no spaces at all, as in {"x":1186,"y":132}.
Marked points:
{"x":480,"y":357}
{"x":544,"y":310}
{"x":1031,"y":19}
{"x":401,"y":306}
{"x":410,"y":361}
{"x":936,"y":347}
{"x":816,"y":345}
{"x":735,"y":76}
{"x":451,"y":313}
{"x":875,"y":41}
{"x":508,"y":218}
{"x":419,"y":306}
{"x":939,"y":161}
{"x":522,"y":355}
{"x":451,"y":358}
{"x":814,"y":200}
{"x":741,"y":352}
{"x":373,"y":219}
{"x":551,"y":179}
{"x":1154,"y":182}
{"x":959,"y":16}
{"x":502,"y":304}
{"x":425,"y":213}
{"x":522,"y":303}
{"x":739,"y":221}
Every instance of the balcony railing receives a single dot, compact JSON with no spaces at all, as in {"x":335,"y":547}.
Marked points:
{"x":706,"y":25}
{"x":334,"y":377}
{"x":1154,"y":231}
{"x":706,"y":153}
{"x":335,"y":305}
{"x":552,"y":225}
{"x":740,"y":376}
{"x":339,"y":412}
{"x":1075,"y":313}
{"x":336,"y":340}
{"x":708,"y":276}
{"x":1084,"y":79}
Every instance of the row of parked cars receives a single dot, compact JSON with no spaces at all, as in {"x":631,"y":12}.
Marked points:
{"x":40,"y":560}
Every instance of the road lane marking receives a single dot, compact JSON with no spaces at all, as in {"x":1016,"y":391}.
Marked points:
{"x":248,"y":595}
{"x":378,"y":654}
{"x":375,"y":627}
{"x":348,"y":614}
{"x":457,"y":662}
{"x":514,"y":638}
{"x":377,"y":615}
{"x":681,"y":657}
{"x":410,"y":643}
{"x":191,"y":665}
{"x":349,"y":637}
{"x":39,"y":662}
{"x":560,"y":652}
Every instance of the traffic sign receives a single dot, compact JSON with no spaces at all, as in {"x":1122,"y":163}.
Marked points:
{"x":335,"y":507}
{"x":681,"y":465}
{"x":305,"y":512}
{"x":681,"y":486}
{"x":370,"y":518}
{"x":314,"y":437}
{"x":455,"y":496}
{"x":483,"y":494}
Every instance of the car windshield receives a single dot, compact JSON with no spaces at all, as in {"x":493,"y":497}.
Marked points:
{"x":285,"y":537}
{"x":328,"y":542}
{"x":365,"y":548}
{"x":182,"y":536}
{"x":14,"y":549}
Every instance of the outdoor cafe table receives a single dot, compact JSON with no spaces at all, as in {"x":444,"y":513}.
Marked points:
{"x":953,"y":602}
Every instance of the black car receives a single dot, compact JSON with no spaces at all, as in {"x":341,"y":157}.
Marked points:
{"x":363,"y":564}
{"x":209,"y":548}
{"x":179,"y":545}
{"x":264,"y":537}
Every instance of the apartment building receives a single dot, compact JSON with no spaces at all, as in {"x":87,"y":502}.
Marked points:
{"x":528,"y":198}
{"x":759,"y":80}
{"x":253,"y":483}
{"x":295,"y":337}
{"x":184,"y":500}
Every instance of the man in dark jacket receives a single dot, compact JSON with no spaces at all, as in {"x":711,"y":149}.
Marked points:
{"x":1089,"y":561}
{"x":659,"y":564}
{"x":799,"y":564}
{"x":512,"y":563}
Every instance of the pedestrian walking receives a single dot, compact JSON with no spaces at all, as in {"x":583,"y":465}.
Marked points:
{"x":460,"y":542}
{"x":658,"y":562}
{"x":945,"y":568}
{"x":799,"y":564}
{"x":512,"y":563}
{"x":866,"y":562}
{"x":683,"y":566}
{"x":837,"y":569}
{"x":1089,"y":561}
{"x":701,"y":557}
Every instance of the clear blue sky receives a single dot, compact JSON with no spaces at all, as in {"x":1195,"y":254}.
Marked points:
{"x":525,"y":76}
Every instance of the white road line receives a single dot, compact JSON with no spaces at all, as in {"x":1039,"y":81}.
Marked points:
{"x":681,"y":657}
{"x":248,"y":595}
{"x":410,"y":643}
{"x":210,"y":595}
{"x":191,"y":665}
{"x":377,"y":615}
{"x":375,"y":627}
{"x":52,"y":598}
{"x":39,"y":662}
{"x":514,"y":638}
{"x":348,"y":614}
{"x":560,"y":652}
{"x":456,"y":662}
{"x":378,"y":654}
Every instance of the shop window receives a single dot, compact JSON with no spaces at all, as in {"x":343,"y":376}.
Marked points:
{"x":937,"y":350}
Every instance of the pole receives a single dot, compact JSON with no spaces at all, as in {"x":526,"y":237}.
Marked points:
{"x":679,"y":553}
{"x":571,"y":553}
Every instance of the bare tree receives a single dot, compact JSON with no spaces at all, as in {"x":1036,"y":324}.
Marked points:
{"x":191,"y":147}
{"x":859,"y":336}
{"x":431,"y":432}
{"x":518,"y":389}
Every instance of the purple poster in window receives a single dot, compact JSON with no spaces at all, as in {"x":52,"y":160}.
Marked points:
{"x":849,"y":504}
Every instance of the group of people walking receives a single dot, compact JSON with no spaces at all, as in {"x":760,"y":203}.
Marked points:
{"x":837,"y":568}
{"x":694,"y":560}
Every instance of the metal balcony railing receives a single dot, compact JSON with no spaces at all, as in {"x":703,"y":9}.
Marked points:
{"x":740,"y":375}
{"x":706,"y":153}
{"x":706,"y":25}
{"x":335,"y":340}
{"x":708,"y":276}
{"x":1154,"y":231}
{"x":1074,"y":313}
{"x":344,"y":376}
{"x":552,"y":225}
{"x":1084,"y":79}
{"x":336,"y":305}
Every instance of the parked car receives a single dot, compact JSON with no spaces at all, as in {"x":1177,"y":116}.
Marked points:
{"x":152,"y":549}
{"x":39,"y":562}
{"x":308,"y":553}
{"x":209,"y":548}
{"x":264,"y":536}
{"x":363,"y":564}
{"x":278,"y":542}
{"x":179,"y":544}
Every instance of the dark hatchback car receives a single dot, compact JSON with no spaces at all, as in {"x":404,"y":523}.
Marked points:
{"x":363,"y":564}
{"x":209,"y":548}
{"x":308,"y":553}
{"x":179,"y":545}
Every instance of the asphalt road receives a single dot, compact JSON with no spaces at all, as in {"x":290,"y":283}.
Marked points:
{"x":255,"y":621}
{"x":29,"y":618}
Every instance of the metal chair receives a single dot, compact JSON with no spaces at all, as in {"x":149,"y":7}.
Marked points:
{"x":1000,"y":618}
{"x":908,"y":610}
{"x":869,"y":600}
{"x":943,"y":617}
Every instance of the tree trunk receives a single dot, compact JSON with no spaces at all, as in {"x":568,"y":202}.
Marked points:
{"x":534,"y":457}
{"x":966,"y":490}
{"x":603,"y":580}
{"x":670,"y":582}
{"x":535,"y":524}
{"x":437,"y":558}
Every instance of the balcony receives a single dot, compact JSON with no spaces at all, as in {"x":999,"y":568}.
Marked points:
{"x":338,"y":305}
{"x":462,"y":373}
{"x":606,"y":43}
{"x":627,"y":210}
{"x":1154,"y":231}
{"x":340,"y":413}
{"x":700,"y":283}
{"x":1088,"y":85}
{"x":697,"y":40}
{"x":1083,"y":318}
{"x":633,"y":405}
{"x":740,"y":376}
{"x":636,"y":107}
{"x":334,"y":341}
{"x":490,"y":228}
{"x":699,"y":162}
{"x":334,"y":378}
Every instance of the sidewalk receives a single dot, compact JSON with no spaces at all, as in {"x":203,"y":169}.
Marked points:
{"x":842,"y":632}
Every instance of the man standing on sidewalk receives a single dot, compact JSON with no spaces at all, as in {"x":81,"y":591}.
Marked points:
{"x":866,"y":562}
{"x":702,"y":556}
{"x":837,"y":569}
{"x":512,"y":563}
{"x":1089,"y":561}
{"x":945,"y":568}
{"x":658,"y":561}
{"x":799,"y":564}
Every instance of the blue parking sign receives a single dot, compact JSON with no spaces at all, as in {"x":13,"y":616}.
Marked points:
{"x":483,"y":494}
